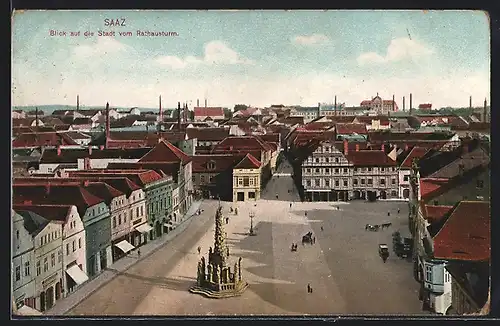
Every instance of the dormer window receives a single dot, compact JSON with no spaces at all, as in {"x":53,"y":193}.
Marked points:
{"x":211,"y":165}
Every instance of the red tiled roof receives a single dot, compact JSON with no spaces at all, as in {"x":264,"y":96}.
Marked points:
{"x":165,"y":152}
{"x":103,"y":190}
{"x":242,"y":143}
{"x":366,"y":102}
{"x":370,"y":158}
{"x":350,"y":128}
{"x":208,"y":112}
{"x":319,"y":125}
{"x":163,"y":168}
{"x":341,"y":118}
{"x":221,"y":162}
{"x":58,"y":194}
{"x":49,"y":212}
{"x":416,"y":152}
{"x":248,"y":162}
{"x":425,"y":106}
{"x":42,"y":139}
{"x":271,"y":137}
{"x":466,"y":235}
{"x":139,"y":177}
{"x":384,"y":120}
{"x":429,"y":185}
{"x":436,"y":213}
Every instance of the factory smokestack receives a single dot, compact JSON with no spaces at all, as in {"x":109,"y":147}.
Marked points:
{"x":485,"y":112}
{"x":403,"y":103}
{"x":198,"y":103}
{"x":160,"y":116}
{"x":393,"y":103}
{"x":77,"y":102}
{"x":411,"y":106}
{"x":107,"y":124}
{"x":36,"y":116}
{"x":179,"y":115}
{"x":205,"y":102}
{"x":470,"y":102}
{"x":335,"y":105}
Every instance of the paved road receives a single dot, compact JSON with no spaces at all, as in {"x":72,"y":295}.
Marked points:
{"x":343,"y":266}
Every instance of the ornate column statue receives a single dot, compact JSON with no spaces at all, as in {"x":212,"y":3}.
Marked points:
{"x":235,"y":273}
{"x":210,"y":273}
{"x":239,"y":269}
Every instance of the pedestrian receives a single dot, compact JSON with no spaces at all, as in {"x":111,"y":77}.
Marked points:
{"x":399,"y":210}
{"x":321,"y":228}
{"x":305,"y":213}
{"x":199,"y":250}
{"x":138,"y":253}
{"x":309,"y":288}
{"x":314,"y":240}
{"x":290,"y":205}
{"x":388,"y":213}
{"x":227,"y":220}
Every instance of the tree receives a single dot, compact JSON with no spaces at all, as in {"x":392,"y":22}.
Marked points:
{"x":239,"y":107}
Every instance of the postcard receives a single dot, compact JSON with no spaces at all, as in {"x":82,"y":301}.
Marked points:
{"x":235,"y":163}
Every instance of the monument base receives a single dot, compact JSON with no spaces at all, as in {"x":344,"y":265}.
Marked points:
{"x":214,"y":294}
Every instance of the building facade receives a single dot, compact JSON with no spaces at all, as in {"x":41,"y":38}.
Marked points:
{"x":247,"y":179}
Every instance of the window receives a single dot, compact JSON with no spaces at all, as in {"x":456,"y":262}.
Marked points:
{"x":18,"y":273}
{"x":193,"y":178}
{"x":369,"y":169}
{"x":246,"y":181}
{"x":393,"y":181}
{"x":17,"y":234}
{"x":202,"y":179}
{"x":428,"y":273}
{"x":355,"y":182}
{"x":337,"y":160}
{"x":363,"y":181}
{"x":345,"y":170}
{"x":327,"y":170}
{"x":337,"y":183}
{"x":382,"y":169}
{"x":327,"y":183}
{"x":211,"y":178}
{"x":27,"y":268}
{"x":52,"y":259}
{"x":382,"y":182}
{"x":79,"y":243}
{"x":74,"y":247}
{"x":114,"y":221}
{"x":355,"y":169}
{"x":317,"y":160}
{"x":252,"y":182}
{"x":327,"y":160}
{"x":124,"y":217}
{"x":370,"y":181}
{"x":308,"y":183}
{"x":45,"y":264}
{"x":59,"y":256}
{"x":406,"y":178}
{"x":337,"y":170}
{"x":120,"y":219}
{"x":394,"y":193}
{"x":137,"y":211}
{"x":240,"y":181}
{"x":345,"y":183}
{"x":317,"y":170}
{"x":317,"y":182}
{"x":480,"y":184}
{"x":327,"y":149}
{"x":38,"y":268}
{"x":142,"y":212}
{"x":67,"y":249}
{"x":308,"y":170}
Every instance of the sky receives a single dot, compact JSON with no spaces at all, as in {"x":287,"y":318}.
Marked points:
{"x":256,"y":58}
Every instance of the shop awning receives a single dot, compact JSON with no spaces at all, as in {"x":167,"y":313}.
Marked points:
{"x":28,"y":311}
{"x":144,"y":228}
{"x":125,"y":246}
{"x":77,"y":274}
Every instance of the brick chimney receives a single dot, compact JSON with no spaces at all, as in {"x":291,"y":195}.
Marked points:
{"x":90,"y":150}
{"x":101,"y":147}
{"x":382,"y":148}
{"x":58,"y":150}
{"x":411,"y":106}
{"x":77,"y":102}
{"x":205,"y":102}
{"x":160,"y":116}
{"x":346,"y":147}
{"x":107,"y":124}
{"x":406,"y":147}
{"x":357,"y":147}
{"x":36,"y":116}
{"x":470,"y":102}
{"x":485,"y":112}
{"x":85,"y":183}
{"x":198,"y":103}
{"x":179,"y":115}
{"x":335,"y":105}
{"x":403,"y":103}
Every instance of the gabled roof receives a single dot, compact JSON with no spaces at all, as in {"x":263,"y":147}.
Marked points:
{"x":370,"y":158}
{"x":466,"y":233}
{"x":242,"y":143}
{"x":350,"y":128}
{"x":33,"y":223}
{"x":49,"y":212}
{"x":434,"y":213}
{"x":428,"y":186}
{"x":207,"y":134}
{"x":139,"y":177}
{"x":248,"y":162}
{"x":165,"y":152}
{"x":221,"y":162}
{"x":42,"y":139}
{"x":82,"y":121}
{"x":415,"y":153}
{"x":59,"y":194}
{"x":103,"y":190}
{"x":208,"y":111}
{"x":71,"y":155}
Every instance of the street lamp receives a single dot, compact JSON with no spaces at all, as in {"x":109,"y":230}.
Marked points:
{"x":252,"y":215}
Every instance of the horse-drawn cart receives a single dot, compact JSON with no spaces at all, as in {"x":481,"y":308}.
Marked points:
{"x":383,"y":251}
